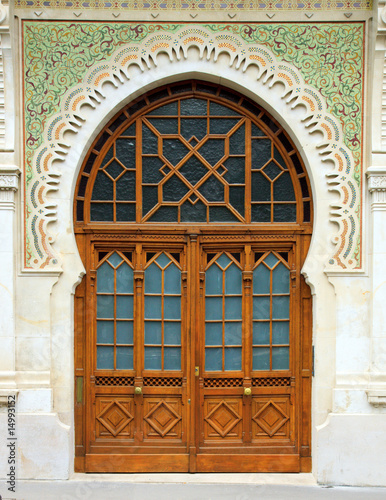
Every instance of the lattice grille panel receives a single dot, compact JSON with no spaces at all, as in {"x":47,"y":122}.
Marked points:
{"x":162,"y":381}
{"x":114,"y":380}
{"x":223,"y":382}
{"x":271,"y":382}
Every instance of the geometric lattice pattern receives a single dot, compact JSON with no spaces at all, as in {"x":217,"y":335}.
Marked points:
{"x":162,"y":418}
{"x":223,"y":418}
{"x":270,"y":418}
{"x":114,"y":417}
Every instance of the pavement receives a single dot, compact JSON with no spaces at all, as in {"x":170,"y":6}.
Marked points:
{"x":187,"y":487}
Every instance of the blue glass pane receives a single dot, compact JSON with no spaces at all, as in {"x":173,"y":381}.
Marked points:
{"x":172,"y":332}
{"x":213,"y":359}
{"x":153,"y":307}
{"x":261,"y":332}
{"x":261,"y":358}
{"x":105,"y":306}
{"x":280,"y":332}
{"x":233,"y":280}
{"x":115,"y":259}
{"x":153,"y":279}
{"x":124,"y":358}
{"x":213,"y":280}
{"x":280,"y":358}
{"x":105,"y":332}
{"x":172,"y":307}
{"x":124,"y":306}
{"x":223,"y":260}
{"x":233,"y":333}
{"x":105,"y":358}
{"x":124,"y":279}
{"x":271,"y":260}
{"x":232,"y":358}
{"x":233,"y":307}
{"x":124,"y":332}
{"x":261,"y":306}
{"x":163,"y":260}
{"x":280,"y":279}
{"x":261,"y":279}
{"x":172,"y":358}
{"x":153,"y":358}
{"x":280,"y":307}
{"x":105,"y":279}
{"x":172,"y":279}
{"x":213,"y":333}
{"x":213,"y":308}
{"x":153,"y":332}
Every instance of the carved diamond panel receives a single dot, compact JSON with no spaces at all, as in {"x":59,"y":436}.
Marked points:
{"x":270,"y":417}
{"x":163,"y":418}
{"x":223,"y":418}
{"x":114,"y":417}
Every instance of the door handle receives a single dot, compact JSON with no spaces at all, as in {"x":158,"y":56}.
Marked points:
{"x":138,"y":390}
{"x":247,"y":391}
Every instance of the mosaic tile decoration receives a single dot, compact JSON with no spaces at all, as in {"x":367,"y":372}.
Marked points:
{"x":200,"y":5}
{"x":321,"y":66}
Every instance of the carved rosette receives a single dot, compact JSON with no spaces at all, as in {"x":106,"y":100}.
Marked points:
{"x":9,"y":183}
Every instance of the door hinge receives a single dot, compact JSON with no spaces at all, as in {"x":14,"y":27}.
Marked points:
{"x":196,"y":371}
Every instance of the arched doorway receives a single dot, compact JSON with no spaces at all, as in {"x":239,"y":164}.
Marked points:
{"x":193,"y":217}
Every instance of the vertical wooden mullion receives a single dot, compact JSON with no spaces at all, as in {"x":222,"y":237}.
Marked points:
{"x":223,"y":320}
{"x":247,"y":325}
{"x":138,"y":174}
{"x":115,"y":318}
{"x":270,"y":317}
{"x":162,"y":316}
{"x":248,"y":171}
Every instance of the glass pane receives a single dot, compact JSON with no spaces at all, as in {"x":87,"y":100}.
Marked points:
{"x":212,"y":189}
{"x":280,"y":332}
{"x":283,"y":189}
{"x":125,"y":212}
{"x":174,"y":189}
{"x":105,"y":332}
{"x":213,"y":333}
{"x":105,"y":358}
{"x":233,"y":333}
{"x":125,"y":187}
{"x":149,"y":198}
{"x":284,"y":212}
{"x":125,"y":152}
{"x":232,"y":358}
{"x":280,"y":358}
{"x":257,"y":132}
{"x":124,"y":358}
{"x":237,"y":141}
{"x":102,"y":212}
{"x":172,"y":358}
{"x":105,"y":306}
{"x":165,"y":125}
{"x":261,"y":187}
{"x":222,"y":125}
{"x":125,"y":306}
{"x":172,"y":332}
{"x":236,"y":170}
{"x":236,"y":198}
{"x":261,"y":358}
{"x":261,"y":306}
{"x":193,"y":169}
{"x":153,"y":279}
{"x":103,"y":187}
{"x":153,"y":358}
{"x":124,"y":279}
{"x":162,"y":260}
{"x":124,"y":332}
{"x":172,"y":307}
{"x":233,"y":308}
{"x":213,"y":280}
{"x":223,"y":260}
{"x":165,"y":214}
{"x":114,"y":169}
{"x":280,"y":279}
{"x":271,"y":260}
{"x":193,"y":213}
{"x":172,"y":280}
{"x":220,"y":110}
{"x":105,"y":279}
{"x":153,"y":332}
{"x":261,"y":152}
{"x":153,"y":307}
{"x":261,"y":213}
{"x":167,"y":109}
{"x":115,"y":259}
{"x":233,"y":280}
{"x":174,"y":150}
{"x":261,"y":279}
{"x":221,"y":214}
{"x":213,"y":150}
{"x":193,"y":127}
{"x":272,"y":170}
{"x":151,"y":166}
{"x":213,"y":359}
{"x":261,"y":333}
{"x":213,"y":308}
{"x":193,"y":106}
{"x":149,"y":141}
{"x":280,"y":307}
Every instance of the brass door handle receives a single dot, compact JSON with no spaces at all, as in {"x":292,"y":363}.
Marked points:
{"x":247,"y":391}
{"x":137,"y":390}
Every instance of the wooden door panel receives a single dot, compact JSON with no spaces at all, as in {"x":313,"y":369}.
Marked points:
{"x":114,"y":417}
{"x":163,"y":419}
{"x":270,"y":418}
{"x":223,"y":419}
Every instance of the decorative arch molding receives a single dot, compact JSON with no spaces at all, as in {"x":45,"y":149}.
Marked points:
{"x":344,"y":211}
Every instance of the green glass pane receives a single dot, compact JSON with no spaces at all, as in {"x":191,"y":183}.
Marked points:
{"x":261,"y":213}
{"x":149,"y":141}
{"x":172,"y":279}
{"x":213,"y":334}
{"x":172,"y":307}
{"x":125,"y":187}
{"x":233,"y":333}
{"x":261,"y":279}
{"x":105,"y":278}
{"x":103,"y":188}
{"x":102,"y":212}
{"x":124,"y":358}
{"x":283,"y":189}
{"x":174,"y":150}
{"x":174,"y":189}
{"x":163,"y":260}
{"x":278,"y":157}
{"x":213,"y":150}
{"x":193,"y":106}
{"x":124,"y":332}
{"x":236,"y":170}
{"x":233,"y":308}
{"x":261,"y":187}
{"x":222,"y":125}
{"x":272,"y":170}
{"x":153,"y":279}
{"x":125,"y":212}
{"x":151,"y":166}
{"x":149,"y":198}
{"x":237,"y":198}
{"x":153,"y":360}
{"x":223,"y":260}
{"x":193,"y":170}
{"x":105,"y":332}
{"x":153,"y":307}
{"x":105,"y":358}
{"x":221,"y":214}
{"x":193,"y":127}
{"x":167,"y":109}
{"x":260,"y":358}
{"x":213,"y":359}
{"x":261,"y":153}
{"x":125,"y":306}
{"x":280,"y":358}
{"x":213,"y":280}
{"x":153,"y":332}
{"x":172,"y":358}
{"x":261,"y":307}
{"x":114,"y":169}
{"x":271,"y":260}
{"x":125,"y":152}
{"x":232,"y":358}
{"x":165,"y":125}
{"x":261,"y":333}
{"x":130,"y":130}
{"x":213,"y":308}
{"x":233,"y":280}
{"x":280,"y":307}
{"x":124,"y":279}
{"x":284,"y":212}
{"x":220,"y":110}
{"x":105,"y":306}
{"x":280,"y":332}
{"x":165,"y":214}
{"x":193,"y":213}
{"x":256,"y":131}
{"x":108,"y":156}
{"x":172,"y":332}
{"x":280,"y":279}
{"x":237,"y":141}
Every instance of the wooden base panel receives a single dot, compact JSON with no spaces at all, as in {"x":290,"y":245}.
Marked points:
{"x":135,"y":463}
{"x":248,"y":463}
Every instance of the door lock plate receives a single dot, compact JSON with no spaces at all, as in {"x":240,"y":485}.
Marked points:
{"x":196,"y":371}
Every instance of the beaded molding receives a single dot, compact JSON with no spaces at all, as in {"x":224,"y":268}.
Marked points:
{"x":345,"y":212}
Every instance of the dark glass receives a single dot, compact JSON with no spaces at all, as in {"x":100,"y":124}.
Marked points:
{"x":283,"y":189}
{"x":102,"y":141}
{"x":201,"y":87}
{"x":108,"y":156}
{"x":297,"y":164}
{"x":149,"y":198}
{"x":117,"y":122}
{"x":82,"y":186}
{"x":230,"y":96}
{"x":131,"y":130}
{"x":237,"y":142}
{"x":220,"y":110}
{"x":212,"y":150}
{"x":174,"y":151}
{"x":125,"y":187}
{"x":236,"y":170}
{"x":222,"y":125}
{"x":251,"y":107}
{"x":193,"y":213}
{"x":158,"y":95}
{"x":256,"y":131}
{"x":103,"y":187}
{"x":212,"y":189}
{"x":278,"y":157}
{"x":272,"y":125}
{"x":306,"y":211}
{"x":193,"y":127}
{"x":261,"y":152}
{"x":181,"y":88}
{"x":151,"y":166}
{"x":114,"y":169}
{"x":102,"y":211}
{"x":221,"y":214}
{"x":284,"y":213}
{"x":165,"y":125}
{"x":174,"y":189}
{"x":286,"y":143}
{"x":137,"y":106}
{"x":237,"y":198}
{"x":125,"y":212}
{"x":125,"y":152}
{"x":79,"y":210}
{"x":193,"y":170}
{"x":303,"y":185}
{"x":149,"y":141}
{"x":193,"y":106}
{"x":165,"y":214}
{"x":272,"y":170}
{"x":261,"y":187}
{"x":167,"y":109}
{"x":261,"y":213}
{"x":90,"y":163}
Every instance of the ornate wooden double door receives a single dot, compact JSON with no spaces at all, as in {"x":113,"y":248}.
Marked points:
{"x":193,"y":322}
